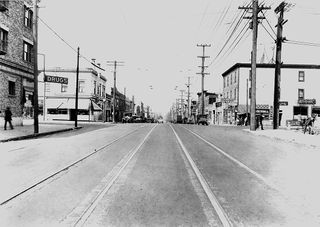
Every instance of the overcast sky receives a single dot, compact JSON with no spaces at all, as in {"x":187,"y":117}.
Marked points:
{"x":158,"y":40}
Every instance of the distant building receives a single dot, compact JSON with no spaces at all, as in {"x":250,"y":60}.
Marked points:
{"x":16,"y":59}
{"x":209,"y":107}
{"x":57,"y":100}
{"x":300,"y":97}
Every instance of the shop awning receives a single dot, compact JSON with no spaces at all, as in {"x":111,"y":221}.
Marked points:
{"x":95,"y":106}
{"x":242,"y":109}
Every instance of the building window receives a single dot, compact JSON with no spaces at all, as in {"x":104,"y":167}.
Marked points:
{"x":3,"y":41}
{"x":81,"y":86}
{"x":27,"y":52}
{"x":12,"y":88}
{"x":224,"y":82}
{"x":28,"y":14}
{"x":64,"y":88}
{"x":230,"y":94}
{"x":231,"y":78}
{"x":301,"y":76}
{"x":300,"y":94}
{"x":94,"y":87}
{"x":300,"y":110}
{"x":235,"y":93}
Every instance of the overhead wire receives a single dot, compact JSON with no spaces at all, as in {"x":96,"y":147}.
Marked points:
{"x":268,"y":32}
{"x":63,"y":40}
{"x":302,"y":43}
{"x":230,"y":36}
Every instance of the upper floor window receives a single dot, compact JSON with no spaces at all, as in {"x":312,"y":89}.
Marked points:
{"x":12,"y":88}
{"x":301,"y":76}
{"x":235,"y":77}
{"x":27,"y":52}
{"x":231,"y":78}
{"x":3,"y":41}
{"x":224,"y":82}
{"x":235,"y":93}
{"x":81,"y":86}
{"x":300,"y":93}
{"x":28,"y":14}
{"x":227,"y":81}
{"x":94,"y":87}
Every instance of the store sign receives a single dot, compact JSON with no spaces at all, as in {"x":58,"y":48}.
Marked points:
{"x":307,"y":101}
{"x":225,"y":100}
{"x":283,"y":103}
{"x":56,"y":79}
{"x":262,"y":111}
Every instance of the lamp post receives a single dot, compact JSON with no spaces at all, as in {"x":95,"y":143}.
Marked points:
{"x":44,"y":85}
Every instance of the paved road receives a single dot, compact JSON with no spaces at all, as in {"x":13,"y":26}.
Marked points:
{"x":158,"y":175}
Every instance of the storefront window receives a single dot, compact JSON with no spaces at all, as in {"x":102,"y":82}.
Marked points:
{"x":300,"y":110}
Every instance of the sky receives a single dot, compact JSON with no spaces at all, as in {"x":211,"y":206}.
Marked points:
{"x":157,"y":41}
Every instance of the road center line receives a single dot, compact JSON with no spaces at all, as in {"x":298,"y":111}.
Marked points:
{"x":216,"y":205}
{"x":257,"y":175}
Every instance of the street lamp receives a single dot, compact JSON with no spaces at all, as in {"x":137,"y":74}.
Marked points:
{"x":44,"y":85}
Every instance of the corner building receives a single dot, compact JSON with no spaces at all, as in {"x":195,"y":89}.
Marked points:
{"x":16,"y":59}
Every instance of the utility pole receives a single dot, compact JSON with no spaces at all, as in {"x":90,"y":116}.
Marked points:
{"x":277,"y":77}
{"x":181,"y":101}
{"x":35,"y":68}
{"x":115,"y":64}
{"x":77,"y":90}
{"x":188,"y":86}
{"x":255,"y":11}
{"x":203,"y":57}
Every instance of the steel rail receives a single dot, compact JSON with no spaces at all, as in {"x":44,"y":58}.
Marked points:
{"x":211,"y":196}
{"x":243,"y":166}
{"x":67,"y":167}
{"x":122,"y":164}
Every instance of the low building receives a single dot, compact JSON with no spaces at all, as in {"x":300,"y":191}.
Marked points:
{"x":57,"y":94}
{"x":209,"y":105}
{"x":299,"y":91}
{"x":16,"y":59}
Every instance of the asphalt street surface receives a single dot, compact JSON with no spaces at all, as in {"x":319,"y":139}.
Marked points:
{"x":157,"y":175}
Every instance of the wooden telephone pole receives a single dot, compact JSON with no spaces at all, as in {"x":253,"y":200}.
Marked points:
{"x":203,"y":57}
{"x":35,"y":68}
{"x":255,"y":11}
{"x":114,"y":64}
{"x":277,"y":77}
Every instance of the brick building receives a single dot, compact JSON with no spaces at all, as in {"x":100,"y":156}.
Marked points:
{"x":16,"y":58}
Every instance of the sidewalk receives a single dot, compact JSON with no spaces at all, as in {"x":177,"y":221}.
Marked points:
{"x":27,"y":130}
{"x":293,"y":136}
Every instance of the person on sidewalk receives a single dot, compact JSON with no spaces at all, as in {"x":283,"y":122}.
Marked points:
{"x":7,"y":118}
{"x":259,"y":119}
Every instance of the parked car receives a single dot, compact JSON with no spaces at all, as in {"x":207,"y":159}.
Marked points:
{"x":160,"y":120}
{"x":126,"y":119}
{"x":203,"y":120}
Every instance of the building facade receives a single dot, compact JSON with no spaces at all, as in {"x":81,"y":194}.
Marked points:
{"x":209,"y":105}
{"x":57,"y":100}
{"x":299,"y":97}
{"x":16,"y":59}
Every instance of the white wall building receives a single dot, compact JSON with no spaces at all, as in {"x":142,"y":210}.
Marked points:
{"x":58,"y":100}
{"x":300,"y":96}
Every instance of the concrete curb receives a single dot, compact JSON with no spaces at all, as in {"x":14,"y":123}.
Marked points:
{"x":36,"y":135}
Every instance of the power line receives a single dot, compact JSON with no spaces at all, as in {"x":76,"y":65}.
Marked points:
{"x":230,"y":36}
{"x":302,"y":43}
{"x":63,"y":40}
{"x":268,"y":32}
{"x":269,"y":24}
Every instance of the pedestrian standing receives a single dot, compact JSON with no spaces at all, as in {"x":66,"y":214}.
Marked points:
{"x":260,"y":121}
{"x":7,"y":118}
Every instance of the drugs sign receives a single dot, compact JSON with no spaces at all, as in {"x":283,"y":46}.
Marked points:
{"x":56,"y":79}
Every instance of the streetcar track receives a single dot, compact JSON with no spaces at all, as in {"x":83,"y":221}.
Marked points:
{"x":243,"y":166}
{"x":223,"y":217}
{"x":294,"y":202}
{"x":80,"y":215}
{"x":50,"y":176}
